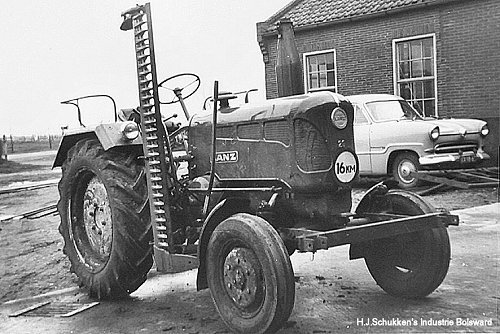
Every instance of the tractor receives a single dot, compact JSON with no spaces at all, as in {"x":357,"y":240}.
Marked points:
{"x":233,"y":193}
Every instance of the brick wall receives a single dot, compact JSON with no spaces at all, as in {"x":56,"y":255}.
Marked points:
{"x":467,"y":45}
{"x":469,"y":59}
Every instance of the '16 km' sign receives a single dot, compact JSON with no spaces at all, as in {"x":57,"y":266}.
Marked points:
{"x":346,"y":166}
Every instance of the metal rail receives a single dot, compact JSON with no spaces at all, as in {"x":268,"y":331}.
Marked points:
{"x":33,"y":214}
{"x":75,"y":102}
{"x":213,"y":153}
{"x":39,"y":185}
{"x":363,"y":229}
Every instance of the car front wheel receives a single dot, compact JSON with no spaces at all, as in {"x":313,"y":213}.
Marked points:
{"x":403,"y":166}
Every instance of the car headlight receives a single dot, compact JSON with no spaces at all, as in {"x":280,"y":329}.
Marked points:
{"x":485,"y":130}
{"x":130,"y":130}
{"x":339,"y":118}
{"x":435,"y":133}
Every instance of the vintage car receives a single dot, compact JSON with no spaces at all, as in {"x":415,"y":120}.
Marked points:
{"x":392,"y":138}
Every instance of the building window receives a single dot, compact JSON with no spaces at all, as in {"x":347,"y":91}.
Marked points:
{"x":415,"y":72}
{"x":320,"y":71}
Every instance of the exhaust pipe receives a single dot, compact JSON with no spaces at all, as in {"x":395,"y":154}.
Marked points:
{"x":288,"y":66}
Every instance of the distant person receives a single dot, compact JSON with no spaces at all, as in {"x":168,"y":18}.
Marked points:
{"x":3,"y":148}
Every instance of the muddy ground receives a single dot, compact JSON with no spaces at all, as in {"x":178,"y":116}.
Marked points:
{"x":32,"y":263}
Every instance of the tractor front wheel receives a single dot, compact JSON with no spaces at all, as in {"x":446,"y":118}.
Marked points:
{"x":409,"y":265}
{"x":250,"y":275}
{"x":105,"y":219}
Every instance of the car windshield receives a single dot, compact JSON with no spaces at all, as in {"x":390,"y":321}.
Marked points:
{"x":394,"y":110}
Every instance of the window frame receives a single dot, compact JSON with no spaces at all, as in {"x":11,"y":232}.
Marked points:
{"x":359,"y":109}
{"x":305,"y":68}
{"x":395,"y":64}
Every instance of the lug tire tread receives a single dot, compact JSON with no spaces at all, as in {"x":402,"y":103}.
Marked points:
{"x":131,"y":254}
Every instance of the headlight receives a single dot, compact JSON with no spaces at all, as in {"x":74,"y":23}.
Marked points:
{"x":485,"y":130}
{"x":130,"y":130}
{"x":339,"y":118}
{"x":435,"y":133}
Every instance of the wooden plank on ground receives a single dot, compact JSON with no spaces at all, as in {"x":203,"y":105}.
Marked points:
{"x":443,"y":180}
{"x":431,"y":189}
{"x":28,"y":309}
{"x":480,"y":176}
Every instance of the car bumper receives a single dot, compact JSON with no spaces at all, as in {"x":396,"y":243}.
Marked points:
{"x":464,"y":158}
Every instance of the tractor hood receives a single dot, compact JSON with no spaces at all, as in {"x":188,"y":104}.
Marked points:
{"x":290,"y":106}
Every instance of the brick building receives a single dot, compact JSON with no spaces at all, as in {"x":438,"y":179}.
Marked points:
{"x":441,"y":55}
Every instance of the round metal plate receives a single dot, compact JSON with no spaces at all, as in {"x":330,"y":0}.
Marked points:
{"x":242,"y":277}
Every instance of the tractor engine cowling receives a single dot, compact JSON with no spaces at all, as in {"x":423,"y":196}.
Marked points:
{"x":305,"y":140}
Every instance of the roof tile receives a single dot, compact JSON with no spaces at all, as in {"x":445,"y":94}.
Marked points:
{"x":312,"y":12}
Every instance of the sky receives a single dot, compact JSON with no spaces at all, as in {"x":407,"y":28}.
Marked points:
{"x":56,"y":50}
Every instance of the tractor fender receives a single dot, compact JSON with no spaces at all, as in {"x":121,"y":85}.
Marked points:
{"x":109,"y":135}
{"x":223,"y":210}
{"x":371,"y":202}
{"x":373,"y":195}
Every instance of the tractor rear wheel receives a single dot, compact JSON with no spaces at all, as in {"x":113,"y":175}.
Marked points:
{"x":410,"y":265}
{"x":250,"y":275}
{"x":105,"y":219}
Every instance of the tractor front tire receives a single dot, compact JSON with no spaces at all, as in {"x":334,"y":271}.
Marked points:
{"x":250,"y":275}
{"x":105,"y":219}
{"x":410,"y":265}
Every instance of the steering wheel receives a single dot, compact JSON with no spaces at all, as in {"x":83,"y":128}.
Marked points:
{"x":180,"y":82}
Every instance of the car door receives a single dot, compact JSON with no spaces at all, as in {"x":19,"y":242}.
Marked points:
{"x":362,"y":139}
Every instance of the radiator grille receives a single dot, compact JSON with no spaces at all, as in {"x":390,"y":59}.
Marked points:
{"x":456,"y":147}
{"x":311,"y":150}
{"x":225,"y":132}
{"x":249,"y":131}
{"x":277,"y":131}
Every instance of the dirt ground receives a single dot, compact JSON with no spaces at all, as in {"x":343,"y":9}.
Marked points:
{"x":31,"y":259}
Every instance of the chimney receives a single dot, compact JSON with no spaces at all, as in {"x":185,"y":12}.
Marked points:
{"x":288,"y":66}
